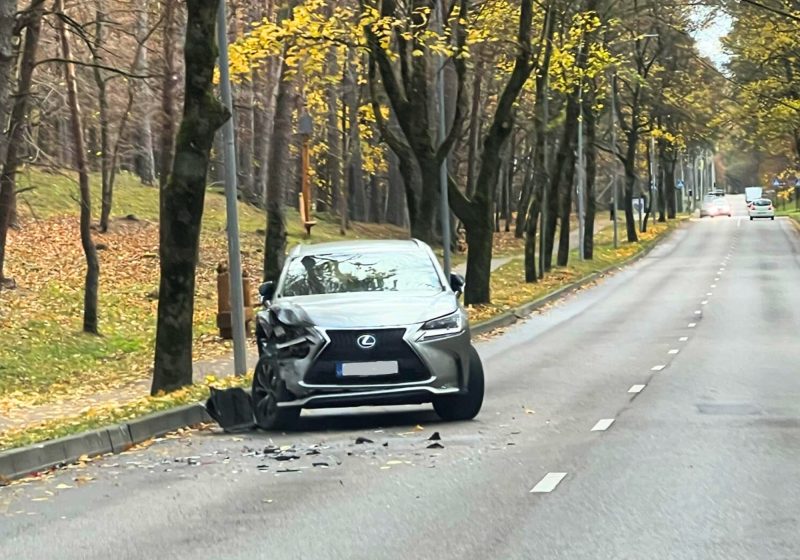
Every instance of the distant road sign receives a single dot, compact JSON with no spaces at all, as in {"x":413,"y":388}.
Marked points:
{"x":776,"y":183}
{"x":680,"y":184}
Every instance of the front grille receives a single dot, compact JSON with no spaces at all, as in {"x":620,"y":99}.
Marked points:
{"x":389,"y":346}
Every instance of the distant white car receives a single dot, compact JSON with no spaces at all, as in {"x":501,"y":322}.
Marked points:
{"x":762,"y":208}
{"x":716,"y":207}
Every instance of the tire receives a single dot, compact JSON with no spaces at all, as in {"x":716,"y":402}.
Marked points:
{"x":268,"y":391}
{"x":772,"y":218}
{"x":464,"y":406}
{"x":751,"y":218}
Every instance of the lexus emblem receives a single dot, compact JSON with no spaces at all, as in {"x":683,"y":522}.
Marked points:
{"x":366,"y":341}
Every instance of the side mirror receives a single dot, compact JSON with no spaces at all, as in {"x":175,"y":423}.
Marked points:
{"x":457,"y":283}
{"x":267,"y":291}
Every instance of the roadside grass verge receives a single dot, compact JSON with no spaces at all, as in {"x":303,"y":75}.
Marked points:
{"x":44,"y":358}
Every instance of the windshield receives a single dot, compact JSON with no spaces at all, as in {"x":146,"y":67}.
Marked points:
{"x":763,"y":202}
{"x":361,"y":272}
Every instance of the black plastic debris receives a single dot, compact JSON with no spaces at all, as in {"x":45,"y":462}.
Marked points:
{"x":232,"y":409}
{"x":435,"y":437}
{"x":436,"y":446}
{"x":320,"y":464}
{"x":361,"y":440}
{"x":286,"y":457}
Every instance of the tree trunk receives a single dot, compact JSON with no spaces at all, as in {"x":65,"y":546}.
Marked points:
{"x":89,"y":249}
{"x":591,"y":176}
{"x":396,"y":202}
{"x":532,"y":209}
{"x":354,"y":182}
{"x":333,"y":157}
{"x":245,"y":146}
{"x":662,"y":206}
{"x":565,"y":208}
{"x":16,"y":128}
{"x":8,"y":10}
{"x":554,"y":197}
{"x":260,"y":141}
{"x":182,"y":201}
{"x":668,"y":163}
{"x":102,"y":99}
{"x":630,"y":184}
{"x":279,"y":180}
{"x":169,"y":84}
{"x":144,"y":166}
{"x":523,"y":201}
{"x":474,"y":128}
{"x":375,"y":201}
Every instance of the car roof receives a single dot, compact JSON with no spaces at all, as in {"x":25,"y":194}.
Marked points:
{"x":360,"y":246}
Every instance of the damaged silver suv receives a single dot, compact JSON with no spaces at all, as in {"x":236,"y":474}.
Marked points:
{"x":364,"y":323}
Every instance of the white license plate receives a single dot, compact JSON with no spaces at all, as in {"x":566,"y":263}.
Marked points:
{"x":366,"y":369}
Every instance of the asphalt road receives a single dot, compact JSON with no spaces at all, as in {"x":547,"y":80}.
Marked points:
{"x":703,"y":462}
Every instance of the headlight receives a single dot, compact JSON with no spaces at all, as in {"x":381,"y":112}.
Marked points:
{"x":448,"y":325}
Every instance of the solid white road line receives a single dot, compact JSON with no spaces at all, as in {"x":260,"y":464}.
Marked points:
{"x":683,"y":338}
{"x":673,"y":351}
{"x":548,"y":483}
{"x":603,"y":425}
{"x":636,"y":388}
{"x":658,"y":367}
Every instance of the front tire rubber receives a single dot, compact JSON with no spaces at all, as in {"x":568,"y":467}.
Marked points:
{"x":464,"y":406}
{"x":772,"y":218}
{"x":268,"y":390}
{"x":751,"y":218}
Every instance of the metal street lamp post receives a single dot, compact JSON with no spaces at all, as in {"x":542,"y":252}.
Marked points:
{"x":231,"y":198}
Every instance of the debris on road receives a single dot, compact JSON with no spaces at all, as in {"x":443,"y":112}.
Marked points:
{"x":435,"y":437}
{"x":360,"y":440}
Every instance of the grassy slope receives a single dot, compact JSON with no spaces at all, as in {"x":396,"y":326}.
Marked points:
{"x":43,"y":356}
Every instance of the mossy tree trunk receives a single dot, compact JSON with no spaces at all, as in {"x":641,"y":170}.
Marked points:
{"x":16,"y":134}
{"x":182,"y":201}
{"x":92,"y":280}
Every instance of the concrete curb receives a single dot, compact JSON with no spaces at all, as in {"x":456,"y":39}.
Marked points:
{"x":17,"y":463}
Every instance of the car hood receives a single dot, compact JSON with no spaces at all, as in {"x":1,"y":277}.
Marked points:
{"x":372,"y":309}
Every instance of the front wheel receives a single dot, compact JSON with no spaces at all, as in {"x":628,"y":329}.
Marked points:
{"x":464,"y":406}
{"x":269,"y":390}
{"x":773,"y":218}
{"x":751,"y":218}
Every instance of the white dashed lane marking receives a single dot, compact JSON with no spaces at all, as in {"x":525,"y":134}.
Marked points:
{"x":673,"y":351}
{"x":603,"y":425}
{"x":658,"y":367}
{"x":636,"y":388}
{"x":548,"y":483}
{"x":683,"y":339}
{"x":704,"y":302}
{"x":692,"y":325}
